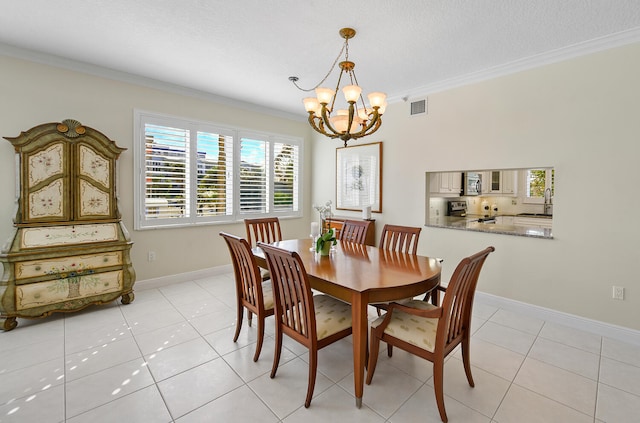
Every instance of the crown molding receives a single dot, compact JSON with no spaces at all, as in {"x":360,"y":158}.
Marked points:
{"x":87,"y":68}
{"x":554,"y":56}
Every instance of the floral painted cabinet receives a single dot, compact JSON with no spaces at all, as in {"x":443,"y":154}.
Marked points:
{"x":69,"y":248}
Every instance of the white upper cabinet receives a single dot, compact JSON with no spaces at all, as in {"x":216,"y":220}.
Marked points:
{"x":509,"y":182}
{"x":446,"y":183}
{"x":500,"y":182}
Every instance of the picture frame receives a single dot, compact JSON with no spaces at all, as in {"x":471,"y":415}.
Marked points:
{"x":359,"y":177}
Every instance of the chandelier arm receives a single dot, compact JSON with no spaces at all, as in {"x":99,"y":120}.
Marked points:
{"x":312,"y":122}
{"x":362,"y":133}
{"x":350,"y":121}
{"x":374,"y":123}
{"x":320,"y":128}
{"x":326,"y":76}
{"x":326,"y":121}
{"x":326,"y":134}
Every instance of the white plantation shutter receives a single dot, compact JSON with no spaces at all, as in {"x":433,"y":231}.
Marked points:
{"x":285,"y":180}
{"x":254,"y":180}
{"x":166,"y":188}
{"x":215,"y":175}
{"x":194,"y":172}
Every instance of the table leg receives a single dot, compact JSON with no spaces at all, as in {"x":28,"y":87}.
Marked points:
{"x":360,"y":327}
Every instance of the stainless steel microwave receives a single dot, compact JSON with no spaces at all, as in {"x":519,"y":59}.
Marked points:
{"x":472,"y":183}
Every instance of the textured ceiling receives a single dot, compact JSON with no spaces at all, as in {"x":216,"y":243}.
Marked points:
{"x":247,"y":49}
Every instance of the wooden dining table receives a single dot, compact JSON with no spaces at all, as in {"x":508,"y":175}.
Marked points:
{"x":360,"y":275}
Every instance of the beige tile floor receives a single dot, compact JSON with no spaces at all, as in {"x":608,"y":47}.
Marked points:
{"x":169,"y":357}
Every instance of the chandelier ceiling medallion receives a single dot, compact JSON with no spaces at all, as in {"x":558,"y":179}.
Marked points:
{"x":355,"y":122}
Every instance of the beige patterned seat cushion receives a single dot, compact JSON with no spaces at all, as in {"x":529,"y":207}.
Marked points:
{"x":332,"y":315}
{"x":419,"y":331}
{"x":265,"y":275}
{"x":267,"y":294}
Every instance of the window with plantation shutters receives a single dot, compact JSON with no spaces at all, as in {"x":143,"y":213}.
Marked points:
{"x":196,"y":173}
{"x":215,"y":174}
{"x":254,"y":181}
{"x":166,"y":187}
{"x":285,"y":176}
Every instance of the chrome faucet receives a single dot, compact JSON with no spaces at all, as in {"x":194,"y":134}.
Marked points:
{"x":548,"y":206}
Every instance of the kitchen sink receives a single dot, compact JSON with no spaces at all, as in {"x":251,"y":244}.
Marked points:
{"x":548,"y":216}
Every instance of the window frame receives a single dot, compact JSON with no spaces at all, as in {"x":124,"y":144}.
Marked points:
{"x":548,"y":183}
{"x":142,"y":222}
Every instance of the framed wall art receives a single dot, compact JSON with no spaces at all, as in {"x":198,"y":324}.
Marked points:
{"x":359,"y":177}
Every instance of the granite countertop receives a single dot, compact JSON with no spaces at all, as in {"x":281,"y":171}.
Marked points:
{"x":470,"y":223}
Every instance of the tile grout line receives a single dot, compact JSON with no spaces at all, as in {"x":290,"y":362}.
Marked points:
{"x":511,"y":382}
{"x":146,"y":364}
{"x":595,"y":405}
{"x":64,"y":365}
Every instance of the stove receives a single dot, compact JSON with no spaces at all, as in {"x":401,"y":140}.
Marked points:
{"x":457,"y":208}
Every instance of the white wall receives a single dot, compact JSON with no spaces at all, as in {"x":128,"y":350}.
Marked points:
{"x":579,"y":116}
{"x":31,"y":94}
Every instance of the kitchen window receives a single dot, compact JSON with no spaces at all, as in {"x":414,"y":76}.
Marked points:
{"x":190,"y":172}
{"x":538,"y":181}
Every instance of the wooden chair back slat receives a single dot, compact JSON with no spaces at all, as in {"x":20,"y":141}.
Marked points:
{"x":265,"y":230}
{"x":246,"y":271}
{"x":458,"y":299}
{"x":292,"y":292}
{"x":400,"y":238}
{"x":354,"y":231}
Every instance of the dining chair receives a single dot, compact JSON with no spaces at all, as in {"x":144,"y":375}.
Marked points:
{"x":251,"y":292}
{"x":431,"y":332}
{"x":265,"y":229}
{"x":314,"y":321}
{"x":354,"y":231}
{"x":397,"y":238}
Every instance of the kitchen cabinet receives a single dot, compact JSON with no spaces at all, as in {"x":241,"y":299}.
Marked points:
{"x":509,"y":182}
{"x":491,"y":183}
{"x":504,"y":220}
{"x":447,"y":183}
{"x":68,"y":248}
{"x":500,"y":182}
{"x":533,"y":222}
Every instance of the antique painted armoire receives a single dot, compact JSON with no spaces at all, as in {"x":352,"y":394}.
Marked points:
{"x":68,"y":248}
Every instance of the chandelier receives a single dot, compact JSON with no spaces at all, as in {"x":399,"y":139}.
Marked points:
{"x":355,"y":122}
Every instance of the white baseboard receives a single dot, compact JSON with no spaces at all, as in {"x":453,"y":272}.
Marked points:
{"x":182,"y":277}
{"x":620,"y":333}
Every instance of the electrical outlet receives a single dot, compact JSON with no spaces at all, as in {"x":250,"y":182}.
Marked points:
{"x":618,"y":293}
{"x":152,"y":256}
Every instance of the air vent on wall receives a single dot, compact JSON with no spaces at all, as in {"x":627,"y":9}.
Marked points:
{"x":419,"y":107}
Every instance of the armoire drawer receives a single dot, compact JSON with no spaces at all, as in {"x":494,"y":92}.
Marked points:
{"x":67,"y":265}
{"x":62,"y":290}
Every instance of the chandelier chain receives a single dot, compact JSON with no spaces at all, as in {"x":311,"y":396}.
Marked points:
{"x":345,"y":46}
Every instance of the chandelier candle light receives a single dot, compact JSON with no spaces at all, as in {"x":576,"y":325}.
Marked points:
{"x":355,"y":122}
